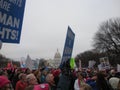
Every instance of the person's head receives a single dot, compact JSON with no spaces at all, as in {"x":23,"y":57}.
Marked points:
{"x":37,"y":74}
{"x":27,"y":71}
{"x":85,"y":87}
{"x":100,"y":76}
{"x":80,"y":75}
{"x":112,"y":72}
{"x":4,"y":83}
{"x":44,"y":72}
{"x":115,"y":82}
{"x":18,"y":70}
{"x":31,"y":79}
{"x":50,"y":78}
{"x":56,"y":73}
{"x":103,"y":72}
{"x":22,"y":77}
{"x":3,"y":73}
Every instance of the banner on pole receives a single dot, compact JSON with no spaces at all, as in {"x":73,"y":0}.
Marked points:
{"x":68,"y":47}
{"x":11,"y":19}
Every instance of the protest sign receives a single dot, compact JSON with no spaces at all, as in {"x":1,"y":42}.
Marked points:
{"x":11,"y":19}
{"x":68,"y":47}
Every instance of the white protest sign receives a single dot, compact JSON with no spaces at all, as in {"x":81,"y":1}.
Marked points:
{"x":91,"y":63}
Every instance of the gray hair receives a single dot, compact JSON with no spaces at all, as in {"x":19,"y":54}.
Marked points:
{"x":29,"y":76}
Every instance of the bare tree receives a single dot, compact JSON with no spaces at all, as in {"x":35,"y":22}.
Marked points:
{"x":107,"y":38}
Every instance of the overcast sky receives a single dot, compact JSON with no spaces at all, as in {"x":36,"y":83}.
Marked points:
{"x":45,"y":26}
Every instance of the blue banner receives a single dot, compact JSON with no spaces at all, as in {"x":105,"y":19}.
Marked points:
{"x":68,"y":47}
{"x":11,"y":19}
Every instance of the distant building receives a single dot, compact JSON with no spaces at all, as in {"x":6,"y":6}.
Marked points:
{"x":50,"y":63}
{"x":57,"y":59}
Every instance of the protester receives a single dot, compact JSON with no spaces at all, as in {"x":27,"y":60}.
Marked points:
{"x":4,"y":72}
{"x":92,"y":80}
{"x":102,"y":83}
{"x":27,"y":71}
{"x":43,"y":76}
{"x":31,"y":81}
{"x":85,"y":87}
{"x":15,"y":78}
{"x":37,"y":74}
{"x":30,"y":88}
{"x":65,"y":80}
{"x":112,"y":73}
{"x":79,"y":81}
{"x":4,"y":83}
{"x":56,"y":74}
{"x":50,"y":81}
{"x":21,"y":84}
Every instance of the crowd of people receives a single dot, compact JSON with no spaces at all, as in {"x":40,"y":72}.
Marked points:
{"x":59,"y":79}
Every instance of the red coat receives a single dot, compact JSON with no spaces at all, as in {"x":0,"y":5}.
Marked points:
{"x":20,"y":85}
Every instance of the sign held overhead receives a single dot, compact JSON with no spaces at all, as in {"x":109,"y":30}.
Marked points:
{"x":68,"y":47}
{"x":11,"y":19}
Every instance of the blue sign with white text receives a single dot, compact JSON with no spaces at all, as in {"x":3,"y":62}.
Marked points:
{"x":68,"y":45}
{"x":11,"y":19}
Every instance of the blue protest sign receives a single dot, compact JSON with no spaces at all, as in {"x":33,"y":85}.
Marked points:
{"x":11,"y":19}
{"x":68,"y":47}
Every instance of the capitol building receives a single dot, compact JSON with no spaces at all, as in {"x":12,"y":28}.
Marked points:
{"x":57,"y":59}
{"x":34,"y":64}
{"x":55,"y":62}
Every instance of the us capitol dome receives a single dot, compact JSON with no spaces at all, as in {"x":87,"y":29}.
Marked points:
{"x":57,"y":59}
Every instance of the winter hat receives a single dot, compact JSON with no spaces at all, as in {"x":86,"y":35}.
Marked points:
{"x":114,"y":81}
{"x":3,"y":81}
{"x":56,"y":73}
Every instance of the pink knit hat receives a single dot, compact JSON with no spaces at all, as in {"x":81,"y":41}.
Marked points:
{"x":3,"y":81}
